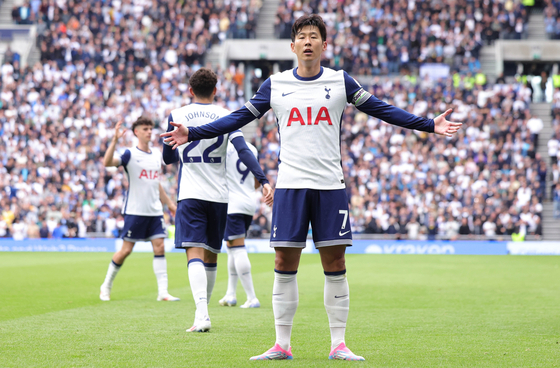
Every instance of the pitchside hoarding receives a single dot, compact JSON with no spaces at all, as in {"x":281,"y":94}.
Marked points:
{"x":263,"y":246}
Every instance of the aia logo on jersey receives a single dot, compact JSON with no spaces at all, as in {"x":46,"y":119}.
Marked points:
{"x":297,"y":116}
{"x":149,"y":174}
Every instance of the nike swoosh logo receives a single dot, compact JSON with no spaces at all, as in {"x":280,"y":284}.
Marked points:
{"x":285,"y":94}
{"x":340,"y":296}
{"x":340,"y":233}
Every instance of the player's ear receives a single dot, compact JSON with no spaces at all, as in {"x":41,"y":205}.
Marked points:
{"x":292,"y":46}
{"x":324,"y":45}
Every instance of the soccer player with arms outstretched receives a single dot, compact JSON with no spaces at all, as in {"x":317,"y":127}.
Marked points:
{"x":202,"y":193}
{"x":142,"y":209}
{"x":241,"y":208}
{"x":309,"y":102}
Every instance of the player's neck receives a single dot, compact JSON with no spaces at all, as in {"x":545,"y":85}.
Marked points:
{"x":143,"y":146}
{"x":202,"y":100}
{"x":306,"y":70}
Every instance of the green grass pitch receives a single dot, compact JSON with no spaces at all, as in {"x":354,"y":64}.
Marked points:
{"x":406,"y":311}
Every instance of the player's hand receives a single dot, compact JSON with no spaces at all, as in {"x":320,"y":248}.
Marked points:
{"x":172,"y":209}
{"x":118,"y":134}
{"x":445,"y":127}
{"x":268,"y":195}
{"x":176,"y":137}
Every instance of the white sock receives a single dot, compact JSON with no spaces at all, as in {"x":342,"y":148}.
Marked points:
{"x":211,"y":272}
{"x":160,"y":269}
{"x":111,"y":274}
{"x":232,"y":273}
{"x":243,"y":267}
{"x":284,"y":304}
{"x":337,"y":304}
{"x":198,"y":282}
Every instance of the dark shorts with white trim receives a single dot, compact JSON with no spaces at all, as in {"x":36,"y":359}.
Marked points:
{"x":237,"y":226}
{"x":143,"y":228}
{"x":295,"y":209}
{"x":200,"y":224}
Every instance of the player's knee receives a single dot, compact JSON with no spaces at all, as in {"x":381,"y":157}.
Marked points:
{"x":335,"y":264}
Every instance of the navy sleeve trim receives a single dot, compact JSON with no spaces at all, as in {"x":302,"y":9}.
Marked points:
{"x":169,"y":155}
{"x":223,"y":125}
{"x":393,"y":115}
{"x":125,"y":158}
{"x":247,"y":157}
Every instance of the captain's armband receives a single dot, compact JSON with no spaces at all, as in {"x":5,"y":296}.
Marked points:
{"x":360,"y":97}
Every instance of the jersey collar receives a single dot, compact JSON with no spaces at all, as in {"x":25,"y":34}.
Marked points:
{"x":307,"y":79}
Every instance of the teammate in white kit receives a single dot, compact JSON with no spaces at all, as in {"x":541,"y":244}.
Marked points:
{"x":202,"y":194}
{"x":309,"y":102}
{"x":241,"y":208}
{"x":142,"y":209}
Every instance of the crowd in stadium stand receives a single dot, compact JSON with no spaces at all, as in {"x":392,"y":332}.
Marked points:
{"x":552,"y":19}
{"x":100,"y":64}
{"x":380,"y":38}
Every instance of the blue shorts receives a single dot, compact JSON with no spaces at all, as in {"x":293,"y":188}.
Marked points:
{"x":142,"y":228}
{"x":294,"y":209}
{"x":237,"y":226}
{"x":200,"y":224}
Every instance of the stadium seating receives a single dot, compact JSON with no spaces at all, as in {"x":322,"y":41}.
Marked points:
{"x":101,"y":63}
{"x":383,"y":38}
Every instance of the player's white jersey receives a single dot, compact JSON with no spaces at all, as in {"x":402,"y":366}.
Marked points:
{"x":309,"y":112}
{"x":241,"y":183}
{"x":143,"y":170}
{"x":202,"y":173}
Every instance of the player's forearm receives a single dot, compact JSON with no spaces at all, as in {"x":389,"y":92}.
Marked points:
{"x":249,"y":160}
{"x":393,"y":115}
{"x":108,"y":158}
{"x":164,"y":198}
{"x":226,"y":124}
{"x":169,"y":154}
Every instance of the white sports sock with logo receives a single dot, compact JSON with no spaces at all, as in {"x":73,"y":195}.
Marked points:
{"x":198,"y":282}
{"x":337,"y":304}
{"x":111,"y":274}
{"x":211,"y":272}
{"x":243,"y":267}
{"x":284,"y":304}
{"x":232,"y":273}
{"x":160,"y":269}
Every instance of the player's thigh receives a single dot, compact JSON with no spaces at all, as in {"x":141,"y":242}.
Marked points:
{"x":330,"y":218}
{"x":217,"y":218}
{"x":237,"y":225}
{"x":290,"y":218}
{"x":191,"y":224}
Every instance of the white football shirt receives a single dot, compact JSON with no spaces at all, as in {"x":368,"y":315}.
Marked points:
{"x":202,"y":172}
{"x":143,"y":170}
{"x":309,"y":112}
{"x":241,"y":183}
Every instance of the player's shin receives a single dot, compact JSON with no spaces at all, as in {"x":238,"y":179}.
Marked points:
{"x":211,"y":272}
{"x":232,"y":273}
{"x":284,"y":304}
{"x":111,"y":274}
{"x":198,"y":283}
{"x":160,"y":270}
{"x":337,"y":303}
{"x":243,"y":267}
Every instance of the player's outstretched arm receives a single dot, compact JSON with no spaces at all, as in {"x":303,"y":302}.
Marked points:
{"x":108,"y":159}
{"x":164,"y":198}
{"x":445,"y":127}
